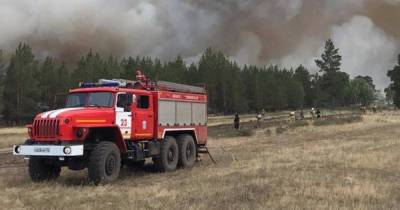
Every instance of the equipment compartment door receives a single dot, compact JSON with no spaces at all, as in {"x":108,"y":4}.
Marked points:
{"x":123,"y":114}
{"x":143,"y":118}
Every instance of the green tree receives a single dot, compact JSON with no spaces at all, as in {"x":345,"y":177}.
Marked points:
{"x":21,"y":90}
{"x":304,"y":77}
{"x":209,"y":67}
{"x":295,"y":94}
{"x":62,"y":77}
{"x":90,"y":68}
{"x":47,"y":82}
{"x":360,"y":92}
{"x":394,"y":76}
{"x":110,"y":68}
{"x":129,"y":65}
{"x":174,"y":71}
{"x":333,"y":82}
{"x":368,"y":79}
{"x":253,"y":90}
{"x":389,"y":94}
{"x":236,"y":99}
{"x":330,"y":61}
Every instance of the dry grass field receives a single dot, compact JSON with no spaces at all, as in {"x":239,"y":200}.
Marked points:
{"x":347,"y":166}
{"x":11,"y":136}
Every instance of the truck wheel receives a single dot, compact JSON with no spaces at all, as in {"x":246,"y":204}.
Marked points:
{"x":169,"y":155}
{"x":104,"y":163}
{"x":39,"y":170}
{"x":187,"y":151}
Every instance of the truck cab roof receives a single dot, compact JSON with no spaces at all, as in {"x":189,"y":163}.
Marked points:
{"x":108,"y":89}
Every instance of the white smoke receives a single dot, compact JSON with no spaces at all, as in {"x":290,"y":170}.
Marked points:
{"x":366,"y":49}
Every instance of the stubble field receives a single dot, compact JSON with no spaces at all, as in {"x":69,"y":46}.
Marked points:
{"x":348,"y":166}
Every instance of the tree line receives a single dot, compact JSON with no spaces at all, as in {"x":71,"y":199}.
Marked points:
{"x":28,"y":86}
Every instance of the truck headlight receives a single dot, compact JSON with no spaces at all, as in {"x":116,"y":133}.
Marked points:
{"x":67,"y":150}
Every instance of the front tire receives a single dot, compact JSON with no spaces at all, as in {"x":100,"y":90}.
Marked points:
{"x":169,"y":155}
{"x":104,"y":163}
{"x":41,"y":170}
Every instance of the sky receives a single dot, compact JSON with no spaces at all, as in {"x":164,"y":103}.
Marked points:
{"x":260,"y":32}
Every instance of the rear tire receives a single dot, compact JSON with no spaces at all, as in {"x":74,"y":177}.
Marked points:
{"x":104,"y":163}
{"x":187,"y":151}
{"x":169,"y":155}
{"x":40,"y":170}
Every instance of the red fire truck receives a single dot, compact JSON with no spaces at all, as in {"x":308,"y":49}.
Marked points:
{"x":112,"y":123}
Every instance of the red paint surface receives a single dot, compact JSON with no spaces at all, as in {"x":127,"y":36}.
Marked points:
{"x":93,"y":117}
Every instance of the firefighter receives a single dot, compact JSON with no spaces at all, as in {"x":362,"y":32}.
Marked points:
{"x":312,"y":113}
{"x":363,"y":109}
{"x":259,"y":117}
{"x":374,"y":109}
{"x":292,"y":116}
{"x":236,"y":121}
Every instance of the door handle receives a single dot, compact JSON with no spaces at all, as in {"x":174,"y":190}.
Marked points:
{"x":129,"y":115}
{"x":150,"y":116}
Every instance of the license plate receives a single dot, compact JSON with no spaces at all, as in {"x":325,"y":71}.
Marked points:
{"x":41,"y":149}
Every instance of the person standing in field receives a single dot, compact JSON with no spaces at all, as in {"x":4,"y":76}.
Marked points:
{"x":236,"y":121}
{"x":259,"y":117}
{"x":263,"y":112}
{"x":312,"y":113}
{"x":374,"y":108}
{"x":318,"y":113}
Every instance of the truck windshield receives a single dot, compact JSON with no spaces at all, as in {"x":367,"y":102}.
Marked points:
{"x":85,"y":99}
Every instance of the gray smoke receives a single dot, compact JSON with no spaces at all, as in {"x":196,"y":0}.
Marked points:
{"x":284,"y":32}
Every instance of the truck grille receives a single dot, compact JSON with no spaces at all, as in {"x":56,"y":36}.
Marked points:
{"x":46,"y":128}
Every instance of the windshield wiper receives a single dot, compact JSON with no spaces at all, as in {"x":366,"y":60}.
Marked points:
{"x":93,"y":105}
{"x":96,"y":105}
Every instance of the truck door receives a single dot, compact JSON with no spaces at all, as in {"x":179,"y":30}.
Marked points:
{"x":143,"y":117}
{"x":123,"y":114}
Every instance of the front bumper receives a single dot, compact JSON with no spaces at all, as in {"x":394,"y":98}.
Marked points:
{"x":48,"y":150}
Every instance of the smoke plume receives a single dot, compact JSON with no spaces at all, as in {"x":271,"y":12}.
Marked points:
{"x":284,"y":32}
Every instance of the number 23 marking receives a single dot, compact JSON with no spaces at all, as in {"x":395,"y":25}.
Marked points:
{"x":124,"y":122}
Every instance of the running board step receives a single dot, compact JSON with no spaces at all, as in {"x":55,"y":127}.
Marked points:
{"x":204,"y":150}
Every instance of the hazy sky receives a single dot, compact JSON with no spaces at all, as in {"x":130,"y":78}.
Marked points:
{"x":284,"y":32}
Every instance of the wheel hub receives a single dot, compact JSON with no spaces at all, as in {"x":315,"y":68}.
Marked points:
{"x":110,"y":164}
{"x":171,"y":157}
{"x":188,"y":152}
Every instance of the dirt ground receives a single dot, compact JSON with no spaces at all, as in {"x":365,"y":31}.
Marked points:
{"x":348,"y":166}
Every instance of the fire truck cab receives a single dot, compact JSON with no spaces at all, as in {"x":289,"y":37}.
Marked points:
{"x":112,"y":123}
